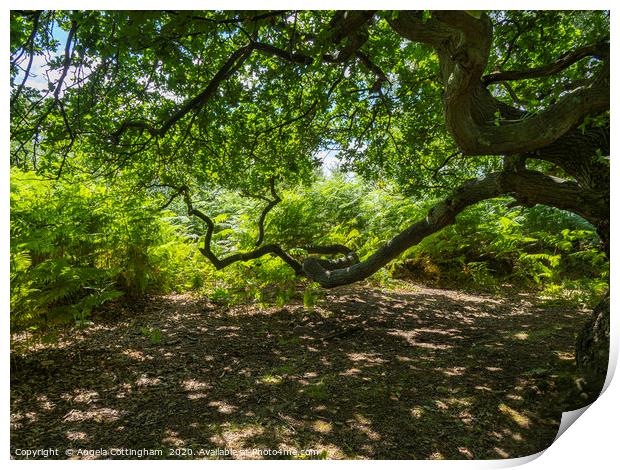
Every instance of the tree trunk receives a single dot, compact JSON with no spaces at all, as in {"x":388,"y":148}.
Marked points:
{"x":592,"y":348}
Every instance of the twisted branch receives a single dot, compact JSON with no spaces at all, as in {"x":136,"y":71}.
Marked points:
{"x":528,"y":187}
{"x":463,"y":43}
{"x":272,"y":249}
{"x":345,"y":25}
{"x":349,"y":259}
{"x":271,"y":203}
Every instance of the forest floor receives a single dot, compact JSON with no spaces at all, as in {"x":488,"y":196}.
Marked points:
{"x":415,"y":373}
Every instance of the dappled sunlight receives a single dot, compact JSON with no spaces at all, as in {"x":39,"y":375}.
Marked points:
{"x":372,"y":359}
{"x":81,"y":396}
{"x":565,"y":355}
{"x":171,"y":438}
{"x":222,"y":407}
{"x":321,"y":426}
{"x":521,"y":420}
{"x":98,"y":415}
{"x":44,"y":402}
{"x":269,"y":379}
{"x":501,"y":453}
{"x":191,"y":385}
{"x":145,"y":381}
{"x":77,"y":436}
{"x":452,"y":371}
{"x":234,"y":436}
{"x":137,"y":355}
{"x":350,"y":372}
{"x":362,"y":424}
{"x":196,"y":396}
{"x":411,"y":374}
{"x":410,"y":337}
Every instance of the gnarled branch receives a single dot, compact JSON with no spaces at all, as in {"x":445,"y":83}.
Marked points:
{"x":462,"y":43}
{"x":527,"y":186}
{"x":272,"y":249}
{"x":440,"y":216}
{"x":234,"y":62}
{"x":348,"y":25}
{"x":271,"y":203}
{"x":349,"y":259}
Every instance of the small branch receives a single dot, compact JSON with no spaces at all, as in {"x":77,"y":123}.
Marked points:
{"x":272,"y":249}
{"x":261,"y":221}
{"x":30,"y":42}
{"x":179,"y":191}
{"x":281,"y":53}
{"x":67,"y":60}
{"x":234,"y":62}
{"x":374,"y":68}
{"x":71,"y":141}
{"x":513,"y":94}
{"x":568,"y":59}
{"x":445,"y":162}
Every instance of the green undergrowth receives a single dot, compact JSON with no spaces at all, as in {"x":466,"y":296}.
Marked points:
{"x":76,"y":245}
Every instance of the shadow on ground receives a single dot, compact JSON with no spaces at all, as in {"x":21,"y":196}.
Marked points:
{"x":370,"y":374}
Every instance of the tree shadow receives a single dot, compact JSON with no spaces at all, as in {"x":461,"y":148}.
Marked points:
{"x":366,"y":374}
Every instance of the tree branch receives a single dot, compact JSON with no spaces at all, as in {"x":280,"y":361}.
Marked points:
{"x":568,"y":59}
{"x":271,"y":204}
{"x":438,"y":217}
{"x":67,"y":60}
{"x":350,"y":257}
{"x":344,"y":25}
{"x":234,"y":62}
{"x":463,"y":43}
{"x":272,"y":249}
{"x":528,"y":187}
{"x":294,"y":57}
{"x":30,"y":42}
{"x":374,"y":68}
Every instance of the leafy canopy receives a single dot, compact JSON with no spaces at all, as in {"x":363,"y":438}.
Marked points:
{"x":232,"y":99}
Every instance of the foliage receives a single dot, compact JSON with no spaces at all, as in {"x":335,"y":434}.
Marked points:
{"x":491,"y":244}
{"x":270,"y":116}
{"x":76,"y":245}
{"x":135,"y":110}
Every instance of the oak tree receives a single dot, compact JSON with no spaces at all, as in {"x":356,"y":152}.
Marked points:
{"x":460,"y":105}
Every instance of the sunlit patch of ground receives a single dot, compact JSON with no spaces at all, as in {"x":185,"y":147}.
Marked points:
{"x":414,"y":373}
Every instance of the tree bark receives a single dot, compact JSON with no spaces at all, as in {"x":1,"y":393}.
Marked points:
{"x":528,"y":187}
{"x":592,"y":348}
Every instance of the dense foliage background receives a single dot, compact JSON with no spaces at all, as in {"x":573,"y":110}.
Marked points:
{"x":113,"y":111}
{"x":77,"y":244}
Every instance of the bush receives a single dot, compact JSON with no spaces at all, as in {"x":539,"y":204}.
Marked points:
{"x":76,"y":245}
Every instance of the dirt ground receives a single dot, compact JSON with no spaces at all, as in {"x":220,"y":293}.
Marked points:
{"x":368,"y":373}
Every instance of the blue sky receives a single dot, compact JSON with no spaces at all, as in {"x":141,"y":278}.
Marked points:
{"x":38,"y":77}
